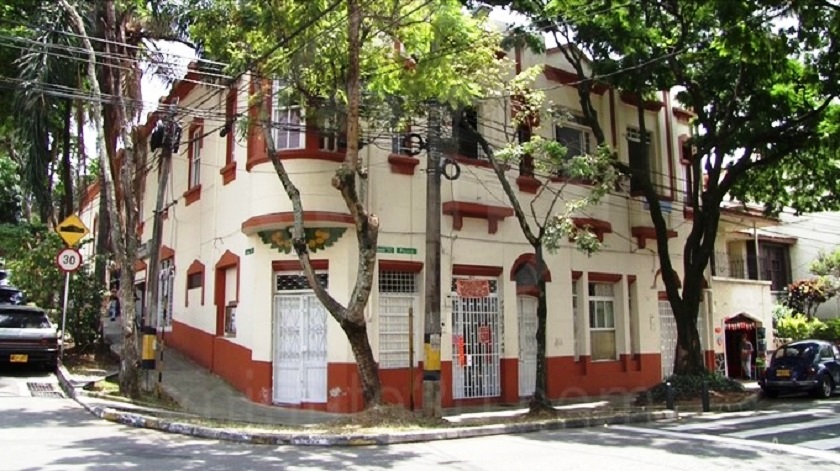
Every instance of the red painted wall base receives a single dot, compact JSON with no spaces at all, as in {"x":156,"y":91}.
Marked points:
{"x":566,"y":377}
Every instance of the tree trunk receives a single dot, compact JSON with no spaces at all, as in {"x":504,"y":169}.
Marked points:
{"x":125,"y":248}
{"x":368,"y":369}
{"x":540,"y":401}
{"x":689,"y":354}
{"x":66,"y":164}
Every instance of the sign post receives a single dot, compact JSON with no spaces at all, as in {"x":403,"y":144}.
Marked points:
{"x":68,"y":260}
{"x":71,"y":230}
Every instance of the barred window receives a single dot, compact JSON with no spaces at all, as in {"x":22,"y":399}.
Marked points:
{"x":397,"y":294}
{"x":296,"y":282}
{"x":602,"y":321}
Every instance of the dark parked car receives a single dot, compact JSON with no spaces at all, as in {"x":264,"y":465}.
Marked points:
{"x":805,"y":365}
{"x":27,"y":336}
{"x":11,"y":295}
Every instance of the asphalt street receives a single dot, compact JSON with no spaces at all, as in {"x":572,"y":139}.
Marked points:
{"x":47,"y":432}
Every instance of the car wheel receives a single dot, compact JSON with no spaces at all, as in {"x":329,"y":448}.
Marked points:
{"x":825,"y":386}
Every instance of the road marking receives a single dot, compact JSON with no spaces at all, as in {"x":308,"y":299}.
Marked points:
{"x":783,"y":428}
{"x":764,"y":415}
{"x":749,"y":444}
{"x":824,"y":444}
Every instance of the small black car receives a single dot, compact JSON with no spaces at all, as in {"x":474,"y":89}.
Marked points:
{"x":27,"y":336}
{"x":804,"y":366}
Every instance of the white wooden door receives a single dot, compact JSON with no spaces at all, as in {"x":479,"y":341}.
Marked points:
{"x":300,"y":349}
{"x":527,"y":310}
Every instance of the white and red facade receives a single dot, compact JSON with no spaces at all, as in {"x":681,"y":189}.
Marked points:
{"x":224,"y":252}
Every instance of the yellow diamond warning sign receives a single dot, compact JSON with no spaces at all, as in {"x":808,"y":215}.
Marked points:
{"x":72,"y":230}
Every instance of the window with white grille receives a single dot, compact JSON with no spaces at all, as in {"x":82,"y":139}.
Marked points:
{"x":602,"y":321}
{"x":298,"y":281}
{"x":398,"y":293}
{"x":633,"y":316}
{"x":196,"y":143}
{"x":289,"y":127}
{"x":166,"y":293}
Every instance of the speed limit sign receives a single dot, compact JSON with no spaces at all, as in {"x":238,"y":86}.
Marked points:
{"x":68,"y":260}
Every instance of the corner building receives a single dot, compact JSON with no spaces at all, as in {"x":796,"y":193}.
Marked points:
{"x":233,"y":297}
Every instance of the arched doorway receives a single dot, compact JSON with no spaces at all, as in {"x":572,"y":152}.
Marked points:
{"x":736,"y":326}
{"x":524,"y":271}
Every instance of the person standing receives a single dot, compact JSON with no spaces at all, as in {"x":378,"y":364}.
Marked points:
{"x":746,"y":356}
{"x":114,"y":305}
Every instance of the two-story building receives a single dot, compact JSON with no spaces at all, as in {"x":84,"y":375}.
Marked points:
{"x":235,"y":301}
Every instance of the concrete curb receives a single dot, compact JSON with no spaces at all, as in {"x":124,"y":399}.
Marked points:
{"x":267,"y":437}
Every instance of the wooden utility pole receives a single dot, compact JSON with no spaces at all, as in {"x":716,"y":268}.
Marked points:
{"x":169,"y":143}
{"x":432,"y":331}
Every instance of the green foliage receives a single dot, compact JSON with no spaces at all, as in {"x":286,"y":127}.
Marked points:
{"x":445,"y":54}
{"x":30,"y":252}
{"x":689,"y":387}
{"x":780,"y":310}
{"x":830,"y":330}
{"x":806,"y":295}
{"x":826,"y":264}
{"x":798,"y":327}
{"x":10,"y":190}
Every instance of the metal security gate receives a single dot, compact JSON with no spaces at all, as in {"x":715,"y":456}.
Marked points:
{"x":527,"y":309}
{"x":300,"y":344}
{"x":668,"y":337}
{"x":476,"y":342}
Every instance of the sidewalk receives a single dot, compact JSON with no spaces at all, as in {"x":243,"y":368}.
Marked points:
{"x":203,"y":395}
{"x":206,"y":395}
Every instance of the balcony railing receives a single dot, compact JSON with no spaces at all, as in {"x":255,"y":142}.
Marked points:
{"x":744,"y":268}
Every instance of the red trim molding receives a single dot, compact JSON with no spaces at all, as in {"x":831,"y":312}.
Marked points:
{"x":311,"y":154}
{"x":631,"y":279}
{"x":598,"y":277}
{"x":139,"y":266}
{"x":528,"y":259}
{"x":643,"y":233}
{"x":256,"y":152}
{"x":682,"y":115}
{"x":528,"y":184}
{"x":231,"y":106}
{"x":196,"y":267}
{"x":166,"y":253}
{"x":528,"y":291}
{"x":294,"y":265}
{"x":403,"y":164}
{"x":476,"y":270}
{"x":576,"y":275}
{"x":459,"y":210}
{"x":400,"y":265}
{"x":632,"y":99}
{"x":228,"y":261}
{"x":571,"y":79}
{"x":598,"y":226}
{"x":228,"y":173}
{"x":192,"y":195}
{"x":255,"y":224}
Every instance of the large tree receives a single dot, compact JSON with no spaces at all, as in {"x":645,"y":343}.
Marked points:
{"x":352,"y":63}
{"x":761,"y":79}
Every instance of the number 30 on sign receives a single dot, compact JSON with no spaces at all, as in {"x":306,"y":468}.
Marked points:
{"x":68,"y":260}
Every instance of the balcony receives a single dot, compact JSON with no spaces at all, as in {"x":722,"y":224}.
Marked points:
{"x":744,"y":267}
